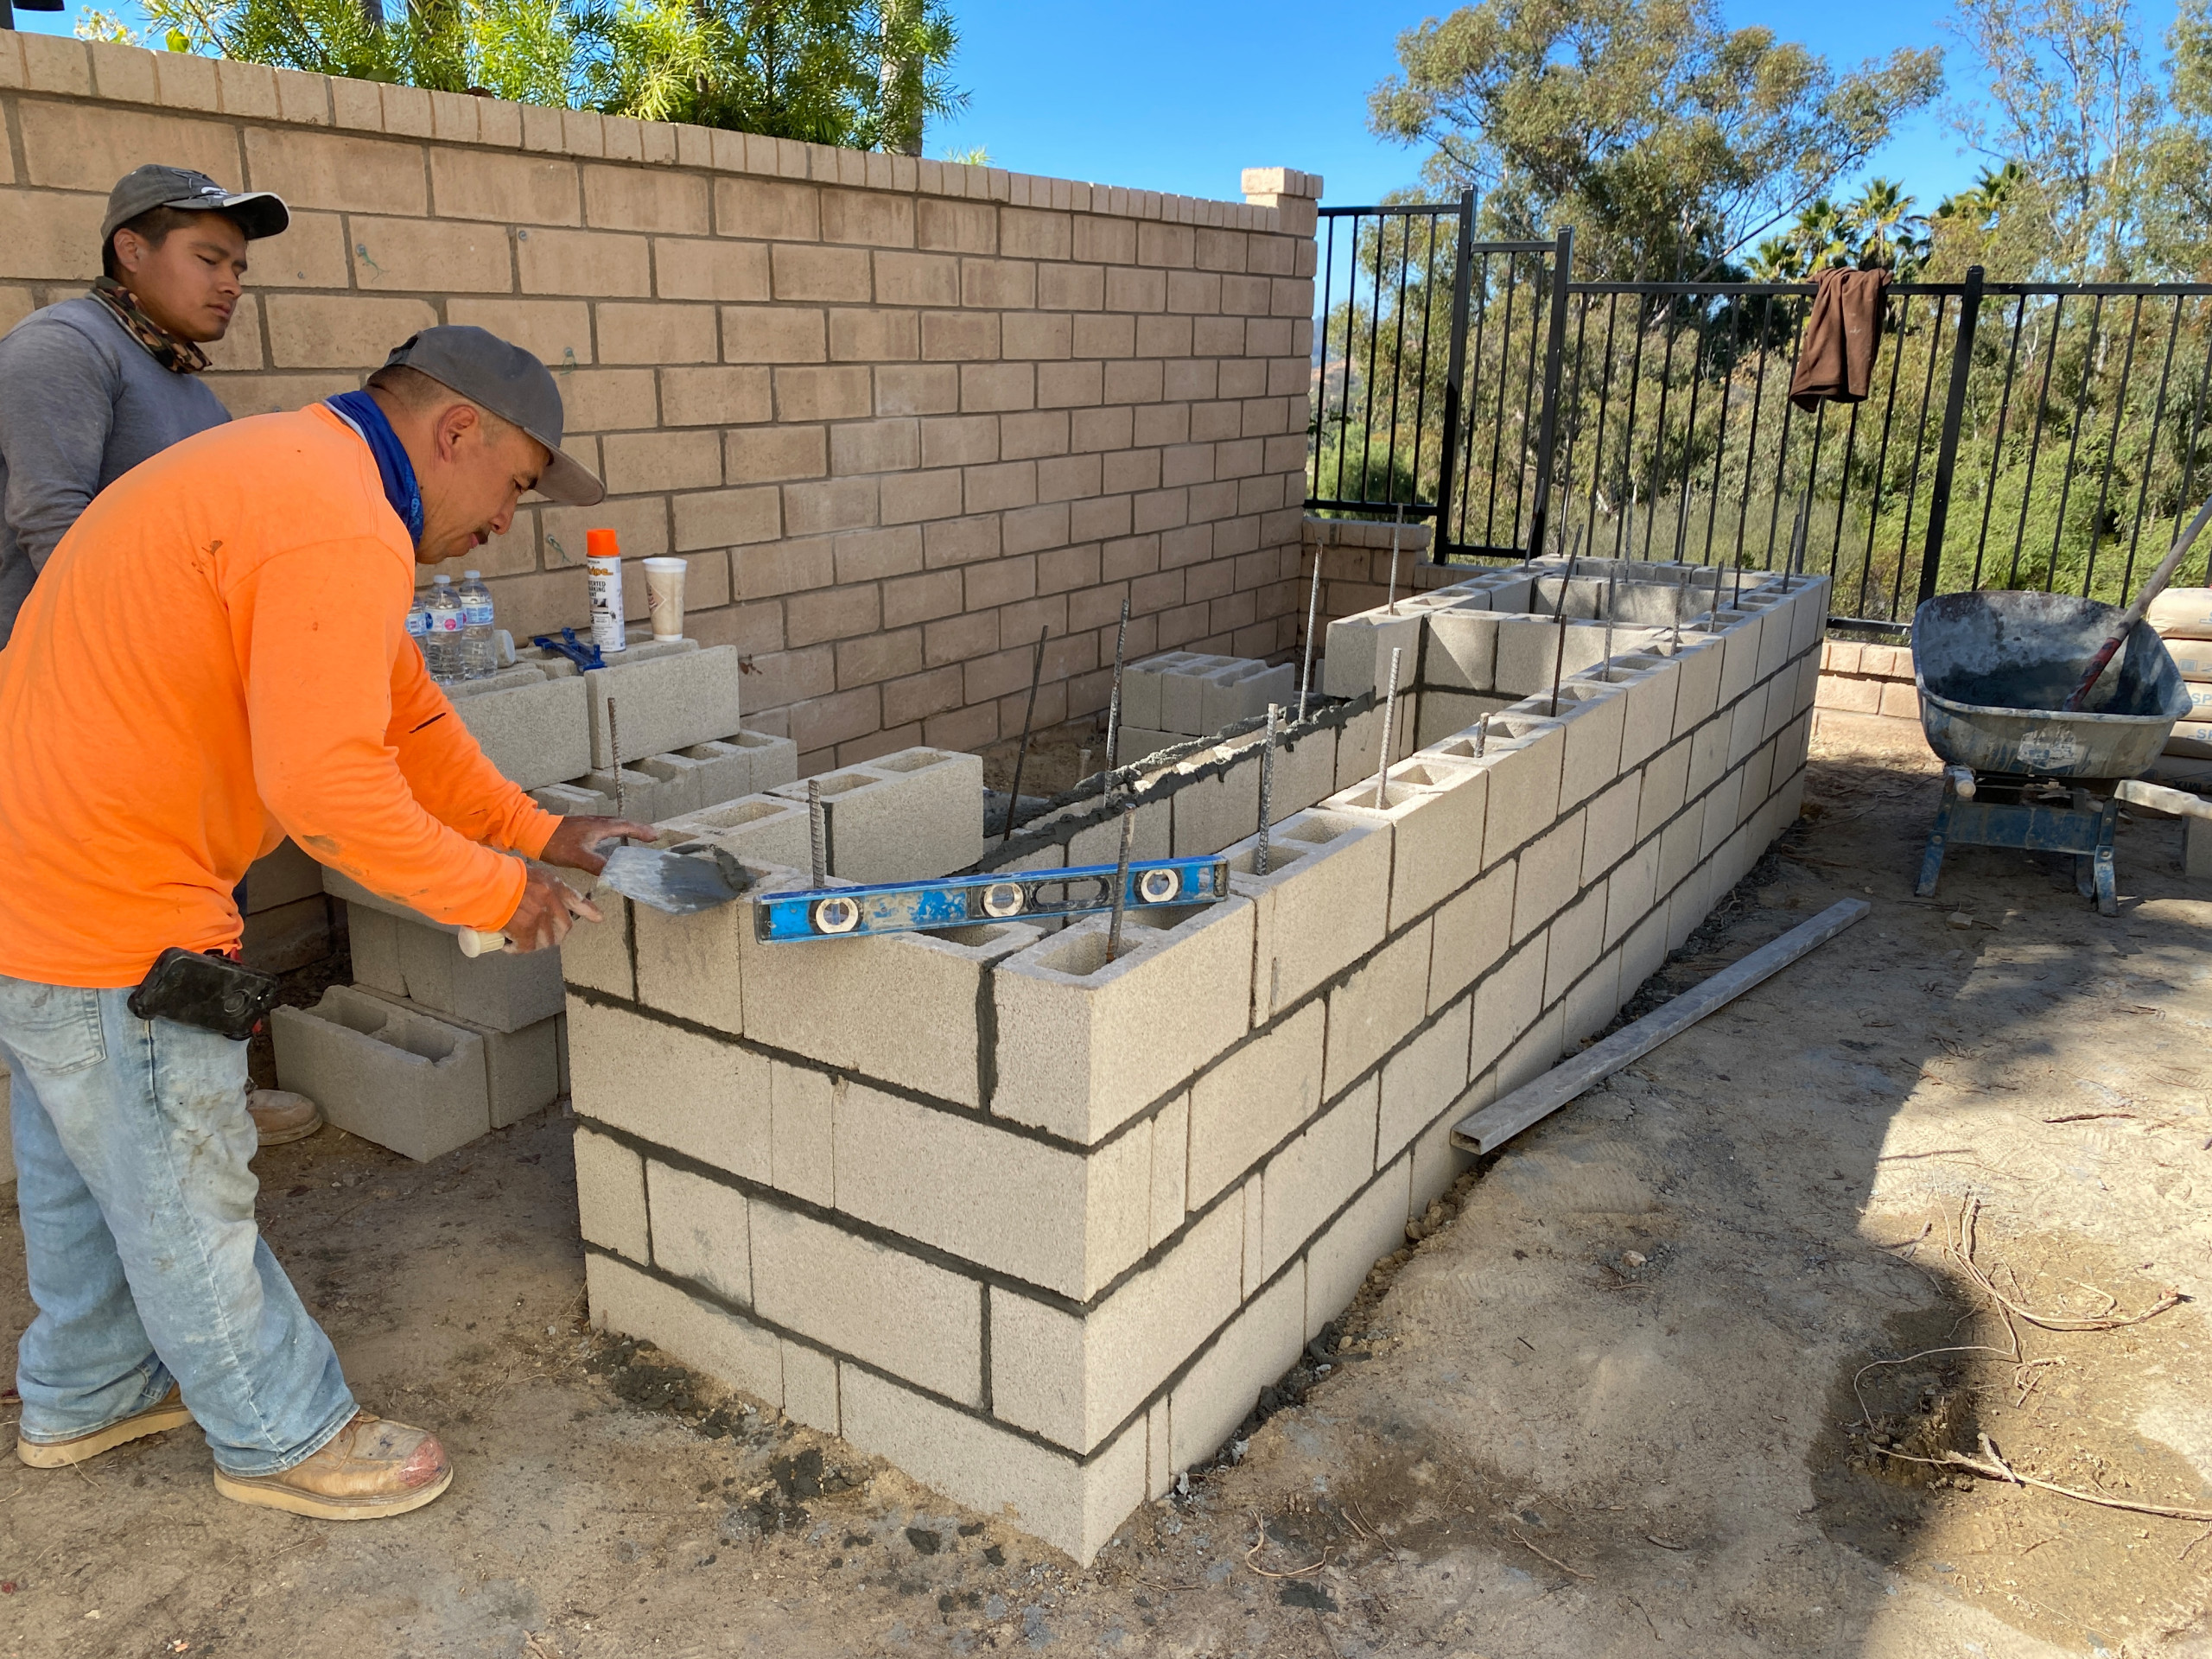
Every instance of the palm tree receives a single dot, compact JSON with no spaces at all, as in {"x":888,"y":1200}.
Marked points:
{"x":1890,"y":235}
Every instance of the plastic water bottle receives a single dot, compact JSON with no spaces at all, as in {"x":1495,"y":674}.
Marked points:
{"x":418,"y":625}
{"x":442,"y":645}
{"x":479,"y":645}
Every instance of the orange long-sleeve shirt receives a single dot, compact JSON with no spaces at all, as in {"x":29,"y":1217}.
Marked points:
{"x":216,"y":657}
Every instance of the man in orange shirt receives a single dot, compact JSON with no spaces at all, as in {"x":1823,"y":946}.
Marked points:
{"x":216,"y":656}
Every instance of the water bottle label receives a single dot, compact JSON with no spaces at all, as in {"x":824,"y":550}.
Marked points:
{"x":446,"y":622}
{"x":418,"y":624}
{"x":477,"y":614}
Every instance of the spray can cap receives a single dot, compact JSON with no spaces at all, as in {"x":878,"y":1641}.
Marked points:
{"x":602,"y":544}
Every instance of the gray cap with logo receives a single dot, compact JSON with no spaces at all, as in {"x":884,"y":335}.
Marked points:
{"x":513,"y":385}
{"x":258,"y":214}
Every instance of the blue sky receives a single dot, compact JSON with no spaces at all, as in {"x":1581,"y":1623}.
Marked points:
{"x":1180,"y":95}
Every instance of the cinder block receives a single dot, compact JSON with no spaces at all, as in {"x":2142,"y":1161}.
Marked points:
{"x":1141,"y":688}
{"x":1595,"y":713}
{"x":1666,"y":780}
{"x":517,"y":674}
{"x":1462,"y":649}
{"x":726,"y":1346}
{"x":1071,"y":1505}
{"x":722,"y":771}
{"x":1747,"y":724}
{"x":644,"y":796}
{"x":1304,"y":773}
{"x":707,"y":1099}
{"x":522,"y":1067}
{"x":1072,"y":1377}
{"x":536,"y":733}
{"x":1371,"y":1011}
{"x":611,"y":1196}
{"x":282,"y":877}
{"x":1244,"y":1106}
{"x":1538,"y":1050}
{"x":1720,"y":817}
{"x":1809,"y":597}
{"x":1578,"y":938}
{"x":1609,"y":827}
{"x":1182,"y":693}
{"x":1314,"y":1176}
{"x":758,"y":829}
{"x":1084,"y":1045}
{"x":1242,"y":691}
{"x":810,"y":1387}
{"x":663,"y":703}
{"x":700,"y":1232}
{"x":1630,"y":890}
{"x":1340,"y":1259}
{"x":1137,"y":743}
{"x":1211,"y":812}
{"x":909,"y":1317}
{"x":1645,"y":954}
{"x":399,"y":1078}
{"x":903,"y":817}
{"x":1697,"y":693}
{"x":573,"y":799}
{"x":1321,"y":906}
{"x":1649,"y":685}
{"x":423,"y":965}
{"x":1445,"y":714}
{"x":1524,"y":758}
{"x":1358,"y":648}
{"x":1532,"y":654}
{"x":774,"y":759}
{"x":1218,"y":1392}
{"x":1423,"y":1078}
{"x":1436,"y":807}
{"x":1678,"y":845}
{"x":1549,"y":876}
{"x":1739,"y":642}
{"x":1506,"y":1005}
{"x":1708,"y":755}
{"x":682,"y":782}
{"x":1473,"y":931}
{"x":1063,"y":1220}
{"x":1150,"y":837}
{"x":554,"y":666}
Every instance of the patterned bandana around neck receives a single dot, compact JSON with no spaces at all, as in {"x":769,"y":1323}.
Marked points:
{"x":177,"y":356}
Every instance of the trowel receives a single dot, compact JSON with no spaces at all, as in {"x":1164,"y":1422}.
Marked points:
{"x":676,"y":880}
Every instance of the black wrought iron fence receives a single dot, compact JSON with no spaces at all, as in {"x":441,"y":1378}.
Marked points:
{"x":2013,"y":436}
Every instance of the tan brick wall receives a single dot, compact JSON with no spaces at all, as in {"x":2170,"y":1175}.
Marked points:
{"x":897,"y":414}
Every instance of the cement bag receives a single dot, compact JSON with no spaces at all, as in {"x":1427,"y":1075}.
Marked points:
{"x":2183,"y":613}
{"x":2200,"y":700}
{"x":2192,"y":740}
{"x":2192,"y":657}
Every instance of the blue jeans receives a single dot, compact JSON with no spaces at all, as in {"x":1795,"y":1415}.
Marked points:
{"x":131,"y":1147}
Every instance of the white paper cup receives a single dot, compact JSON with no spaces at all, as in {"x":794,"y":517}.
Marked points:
{"x":665,"y":596}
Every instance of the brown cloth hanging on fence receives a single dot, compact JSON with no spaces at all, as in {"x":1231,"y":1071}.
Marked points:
{"x":1837,"y":359}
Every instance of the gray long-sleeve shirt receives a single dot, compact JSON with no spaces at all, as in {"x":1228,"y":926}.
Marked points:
{"x":81,"y":403}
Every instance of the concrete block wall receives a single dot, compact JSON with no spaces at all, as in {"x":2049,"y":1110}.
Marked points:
{"x":1039,"y":1227}
{"x":1862,"y":679}
{"x":897,"y":413}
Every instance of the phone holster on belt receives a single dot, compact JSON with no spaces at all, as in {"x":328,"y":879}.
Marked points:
{"x":207,"y":989}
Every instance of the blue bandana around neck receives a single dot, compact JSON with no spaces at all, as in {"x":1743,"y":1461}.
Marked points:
{"x":358,"y":411}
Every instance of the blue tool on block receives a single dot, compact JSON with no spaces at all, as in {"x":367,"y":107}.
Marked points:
{"x":965,"y":900}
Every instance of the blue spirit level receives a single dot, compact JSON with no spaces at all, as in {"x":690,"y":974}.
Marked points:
{"x":1001,"y":896}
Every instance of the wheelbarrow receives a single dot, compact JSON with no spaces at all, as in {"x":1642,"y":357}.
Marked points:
{"x":2021,"y":770}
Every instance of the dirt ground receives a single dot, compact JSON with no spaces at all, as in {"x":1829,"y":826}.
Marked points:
{"x":1650,"y":1392}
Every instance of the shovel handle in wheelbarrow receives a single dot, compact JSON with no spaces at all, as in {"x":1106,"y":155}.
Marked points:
{"x":2135,"y":612}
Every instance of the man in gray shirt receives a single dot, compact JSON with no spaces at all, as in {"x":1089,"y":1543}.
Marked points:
{"x":92,"y":387}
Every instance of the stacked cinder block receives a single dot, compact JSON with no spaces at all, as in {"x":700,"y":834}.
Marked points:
{"x":428,"y":1048}
{"x":287,"y":920}
{"x":1179,"y":695}
{"x":900,"y":817}
{"x":1038,"y":1226}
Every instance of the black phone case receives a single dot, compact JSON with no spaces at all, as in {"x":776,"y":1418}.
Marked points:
{"x":198,"y":988}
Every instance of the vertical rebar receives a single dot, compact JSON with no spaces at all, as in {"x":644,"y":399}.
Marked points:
{"x":1612,"y":589}
{"x":817,"y":838}
{"x":614,"y":753}
{"x":1482,"y":737}
{"x":1712,"y":616}
{"x":1681,"y":597}
{"x":1121,"y":880}
{"x":1114,"y":707}
{"x":1389,"y":712}
{"x":1028,"y":721}
{"x":1312,"y":617}
{"x":1267,"y":788}
{"x":1398,"y":529}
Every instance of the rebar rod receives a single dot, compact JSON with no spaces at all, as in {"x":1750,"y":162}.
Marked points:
{"x":1267,"y":788}
{"x":1389,"y":711}
{"x":1313,"y":616}
{"x":1121,"y":880}
{"x":1028,"y":724}
{"x":817,"y":840}
{"x":1482,"y":737}
{"x":1398,"y":529}
{"x":614,"y":753}
{"x":1114,"y":707}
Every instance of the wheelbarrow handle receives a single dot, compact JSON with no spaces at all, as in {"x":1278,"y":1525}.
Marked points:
{"x":2135,"y":612}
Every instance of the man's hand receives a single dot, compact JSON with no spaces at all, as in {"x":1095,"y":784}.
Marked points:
{"x":549,"y":907}
{"x":582,"y":843}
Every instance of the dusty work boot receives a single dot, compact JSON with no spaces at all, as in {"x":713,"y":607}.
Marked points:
{"x":166,"y":1414}
{"x":281,"y":1116}
{"x":372,"y":1469}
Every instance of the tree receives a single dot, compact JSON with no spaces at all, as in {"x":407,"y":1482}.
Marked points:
{"x":851,"y":73}
{"x":1668,"y":141}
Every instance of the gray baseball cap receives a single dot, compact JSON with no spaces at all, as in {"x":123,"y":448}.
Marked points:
{"x":258,"y":214}
{"x":513,"y":385}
